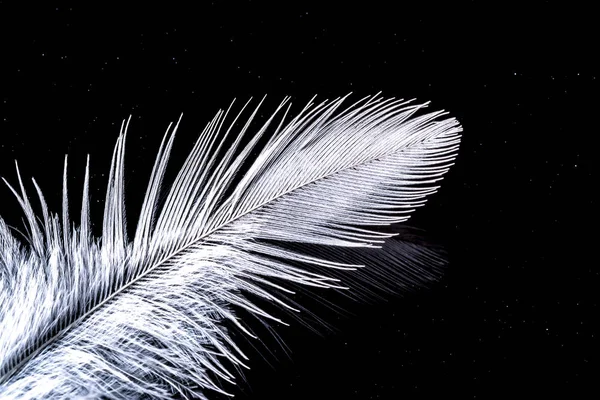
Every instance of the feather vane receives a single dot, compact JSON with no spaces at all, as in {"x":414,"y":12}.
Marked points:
{"x":150,"y":317}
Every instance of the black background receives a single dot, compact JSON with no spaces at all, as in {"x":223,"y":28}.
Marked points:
{"x":516,"y":311}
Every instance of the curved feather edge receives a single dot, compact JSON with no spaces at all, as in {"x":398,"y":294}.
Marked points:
{"x":82,"y":317}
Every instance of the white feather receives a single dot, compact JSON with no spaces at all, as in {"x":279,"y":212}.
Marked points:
{"x":118,"y":318}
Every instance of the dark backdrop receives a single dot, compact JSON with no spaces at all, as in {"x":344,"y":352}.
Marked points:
{"x":517,"y":308}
